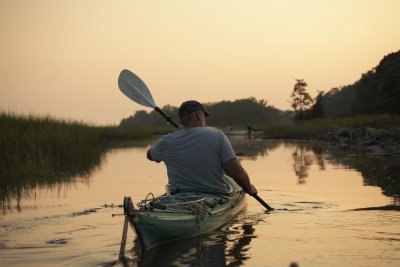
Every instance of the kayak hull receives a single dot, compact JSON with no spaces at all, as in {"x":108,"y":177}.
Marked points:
{"x":160,"y":225}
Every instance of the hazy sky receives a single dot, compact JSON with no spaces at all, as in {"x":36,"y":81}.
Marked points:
{"x":63,"y":57}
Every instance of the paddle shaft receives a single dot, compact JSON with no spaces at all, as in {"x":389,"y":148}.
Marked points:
{"x":262,"y":202}
{"x":168,"y":118}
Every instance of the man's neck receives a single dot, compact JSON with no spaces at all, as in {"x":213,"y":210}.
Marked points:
{"x":193,"y":125}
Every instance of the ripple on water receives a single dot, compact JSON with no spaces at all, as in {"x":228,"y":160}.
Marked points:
{"x":387,"y":207}
{"x":59,"y":241}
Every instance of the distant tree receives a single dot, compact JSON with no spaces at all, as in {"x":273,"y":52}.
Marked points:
{"x":317,"y":110}
{"x":301,"y":99}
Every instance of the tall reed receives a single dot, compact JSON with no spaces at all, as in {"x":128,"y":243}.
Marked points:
{"x":37,"y":151}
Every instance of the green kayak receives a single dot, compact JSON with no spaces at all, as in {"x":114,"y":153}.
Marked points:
{"x":182,"y":215}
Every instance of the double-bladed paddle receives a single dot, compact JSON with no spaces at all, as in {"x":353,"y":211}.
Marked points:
{"x":135,"y":89}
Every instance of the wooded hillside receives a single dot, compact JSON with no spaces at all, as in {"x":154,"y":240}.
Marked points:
{"x":376,"y":92}
{"x":238,"y":112}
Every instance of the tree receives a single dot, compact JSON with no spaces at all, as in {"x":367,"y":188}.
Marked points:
{"x":301,"y":99}
{"x":317,"y":110}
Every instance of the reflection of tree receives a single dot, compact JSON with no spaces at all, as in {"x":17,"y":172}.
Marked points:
{"x":302,"y":160}
{"x":319,"y":156}
{"x":376,"y":170}
{"x":304,"y":155}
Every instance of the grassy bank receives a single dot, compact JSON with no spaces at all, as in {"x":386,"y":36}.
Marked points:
{"x":315,"y":128}
{"x":38,"y":141}
{"x":37,"y":151}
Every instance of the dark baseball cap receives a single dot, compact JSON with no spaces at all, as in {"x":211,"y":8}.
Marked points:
{"x":191,"y":106}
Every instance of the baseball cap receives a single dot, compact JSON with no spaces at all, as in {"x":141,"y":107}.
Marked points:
{"x":191,"y":106}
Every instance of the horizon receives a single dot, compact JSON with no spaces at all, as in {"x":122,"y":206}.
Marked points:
{"x":62,"y":59}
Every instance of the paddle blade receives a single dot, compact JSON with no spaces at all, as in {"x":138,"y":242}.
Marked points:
{"x":134,"y":88}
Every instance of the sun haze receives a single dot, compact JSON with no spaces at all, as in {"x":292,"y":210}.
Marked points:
{"x":63,"y":58}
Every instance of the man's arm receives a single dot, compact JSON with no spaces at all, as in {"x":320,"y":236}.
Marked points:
{"x":237,"y":172}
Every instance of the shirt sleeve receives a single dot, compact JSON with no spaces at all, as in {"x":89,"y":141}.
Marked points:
{"x":158,"y":150}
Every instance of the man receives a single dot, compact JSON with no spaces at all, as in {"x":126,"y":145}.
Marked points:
{"x":197,"y":156}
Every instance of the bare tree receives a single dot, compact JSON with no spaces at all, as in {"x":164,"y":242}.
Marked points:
{"x":301,"y":99}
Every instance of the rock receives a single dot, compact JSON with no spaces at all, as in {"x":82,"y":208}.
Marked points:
{"x":367,"y":139}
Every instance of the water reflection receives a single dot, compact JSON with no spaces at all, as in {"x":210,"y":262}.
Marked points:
{"x":227,"y":246}
{"x":302,"y":160}
{"x":253,"y":148}
{"x":16,"y":186}
{"x":377,"y":170}
{"x":18,"y":183}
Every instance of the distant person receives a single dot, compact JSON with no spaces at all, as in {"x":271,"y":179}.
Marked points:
{"x":250,"y":129}
{"x":197,"y":156}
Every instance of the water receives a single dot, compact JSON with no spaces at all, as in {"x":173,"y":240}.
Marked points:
{"x":333,"y":208}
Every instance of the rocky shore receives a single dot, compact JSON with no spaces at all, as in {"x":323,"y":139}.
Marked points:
{"x":366,"y":139}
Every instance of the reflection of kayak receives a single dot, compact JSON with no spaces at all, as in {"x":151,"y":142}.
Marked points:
{"x":218,"y":248}
{"x":182,"y":215}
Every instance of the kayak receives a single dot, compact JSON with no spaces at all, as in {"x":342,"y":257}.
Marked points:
{"x":182,"y":215}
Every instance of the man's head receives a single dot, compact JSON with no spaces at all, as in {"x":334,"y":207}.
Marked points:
{"x":192,"y":114}
{"x":190,"y":106}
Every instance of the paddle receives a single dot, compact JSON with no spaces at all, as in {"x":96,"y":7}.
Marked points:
{"x":262,"y":202}
{"x":135,"y":89}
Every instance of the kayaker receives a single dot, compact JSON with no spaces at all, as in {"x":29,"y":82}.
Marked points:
{"x":196,"y":156}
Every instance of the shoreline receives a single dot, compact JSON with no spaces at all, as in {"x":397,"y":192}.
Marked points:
{"x":366,"y":139}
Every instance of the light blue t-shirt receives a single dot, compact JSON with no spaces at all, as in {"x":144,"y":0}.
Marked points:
{"x":194,"y":158}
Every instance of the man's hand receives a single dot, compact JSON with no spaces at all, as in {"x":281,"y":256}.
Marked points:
{"x":253,"y":191}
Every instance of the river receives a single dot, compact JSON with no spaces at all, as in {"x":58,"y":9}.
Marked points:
{"x":333,"y":207}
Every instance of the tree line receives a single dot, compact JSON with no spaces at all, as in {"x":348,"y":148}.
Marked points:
{"x":376,"y":92}
{"x":238,"y":112}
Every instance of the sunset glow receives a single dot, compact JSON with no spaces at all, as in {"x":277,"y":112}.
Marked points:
{"x":63,"y":58}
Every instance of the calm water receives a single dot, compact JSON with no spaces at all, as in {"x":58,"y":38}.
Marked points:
{"x":333,"y":208}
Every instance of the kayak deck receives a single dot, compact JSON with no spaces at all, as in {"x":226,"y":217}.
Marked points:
{"x":183,"y":215}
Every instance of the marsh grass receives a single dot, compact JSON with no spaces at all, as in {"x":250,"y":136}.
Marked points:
{"x":42,"y":151}
{"x":316,"y":128}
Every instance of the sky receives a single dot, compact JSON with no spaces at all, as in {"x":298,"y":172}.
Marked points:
{"x":62,"y":57}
